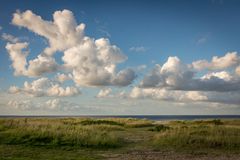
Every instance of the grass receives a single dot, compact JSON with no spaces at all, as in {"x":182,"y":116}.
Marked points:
{"x":195,"y":135}
{"x":20,"y":152}
{"x":100,"y":121}
{"x":53,"y":133}
{"x":126,"y":122}
{"x":86,"y":138}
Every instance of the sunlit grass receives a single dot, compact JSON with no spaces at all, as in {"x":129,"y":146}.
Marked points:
{"x":195,"y":135}
{"x":121,"y":132}
{"x":55,"y":133}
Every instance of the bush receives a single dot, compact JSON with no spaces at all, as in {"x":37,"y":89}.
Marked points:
{"x":125,"y":122}
{"x":217,"y":122}
{"x":159,"y":128}
{"x":208,"y":122}
{"x":94,"y":122}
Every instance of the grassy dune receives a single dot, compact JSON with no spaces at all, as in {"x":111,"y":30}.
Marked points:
{"x":77,"y":138}
{"x":207,"y":137}
{"x":57,"y":133}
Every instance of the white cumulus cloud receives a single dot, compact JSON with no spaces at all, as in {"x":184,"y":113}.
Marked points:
{"x":10,"y":38}
{"x":175,"y":75}
{"x":21,"y":105}
{"x":61,"y":77}
{"x":138,"y":49}
{"x":91,"y":62}
{"x":228,"y":60}
{"x":44,"y":87}
{"x":18,"y":57}
{"x":167,"y":95}
{"x":18,"y":54}
{"x":57,"y":104}
{"x":104,"y":93}
{"x":237,"y":70}
{"x":184,"y":96}
{"x":62,"y":33}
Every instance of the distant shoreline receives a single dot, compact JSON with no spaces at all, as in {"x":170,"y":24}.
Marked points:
{"x":150,"y":117}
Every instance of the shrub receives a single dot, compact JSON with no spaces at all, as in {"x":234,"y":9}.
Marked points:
{"x":159,"y":128}
{"x":208,"y":122}
{"x":94,"y":122}
{"x":217,"y":122}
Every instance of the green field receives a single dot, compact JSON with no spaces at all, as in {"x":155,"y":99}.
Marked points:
{"x":117,"y":138}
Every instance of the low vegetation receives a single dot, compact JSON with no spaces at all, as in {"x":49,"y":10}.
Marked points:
{"x":159,"y":128}
{"x":201,"y":137}
{"x":116,"y":135}
{"x":54,"y":133}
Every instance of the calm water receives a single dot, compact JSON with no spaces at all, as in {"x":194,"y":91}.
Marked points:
{"x":150,"y":117}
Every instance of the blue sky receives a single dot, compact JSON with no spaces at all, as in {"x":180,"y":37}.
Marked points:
{"x":174,"y":35}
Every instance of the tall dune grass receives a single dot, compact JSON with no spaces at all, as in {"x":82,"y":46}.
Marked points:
{"x":132,"y":122}
{"x":107,"y":133}
{"x":54,"y":132}
{"x":199,"y":137}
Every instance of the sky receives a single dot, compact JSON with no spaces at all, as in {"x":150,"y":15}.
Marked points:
{"x":139,"y":57}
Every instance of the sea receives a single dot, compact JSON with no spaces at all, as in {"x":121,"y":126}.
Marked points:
{"x":150,"y":117}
